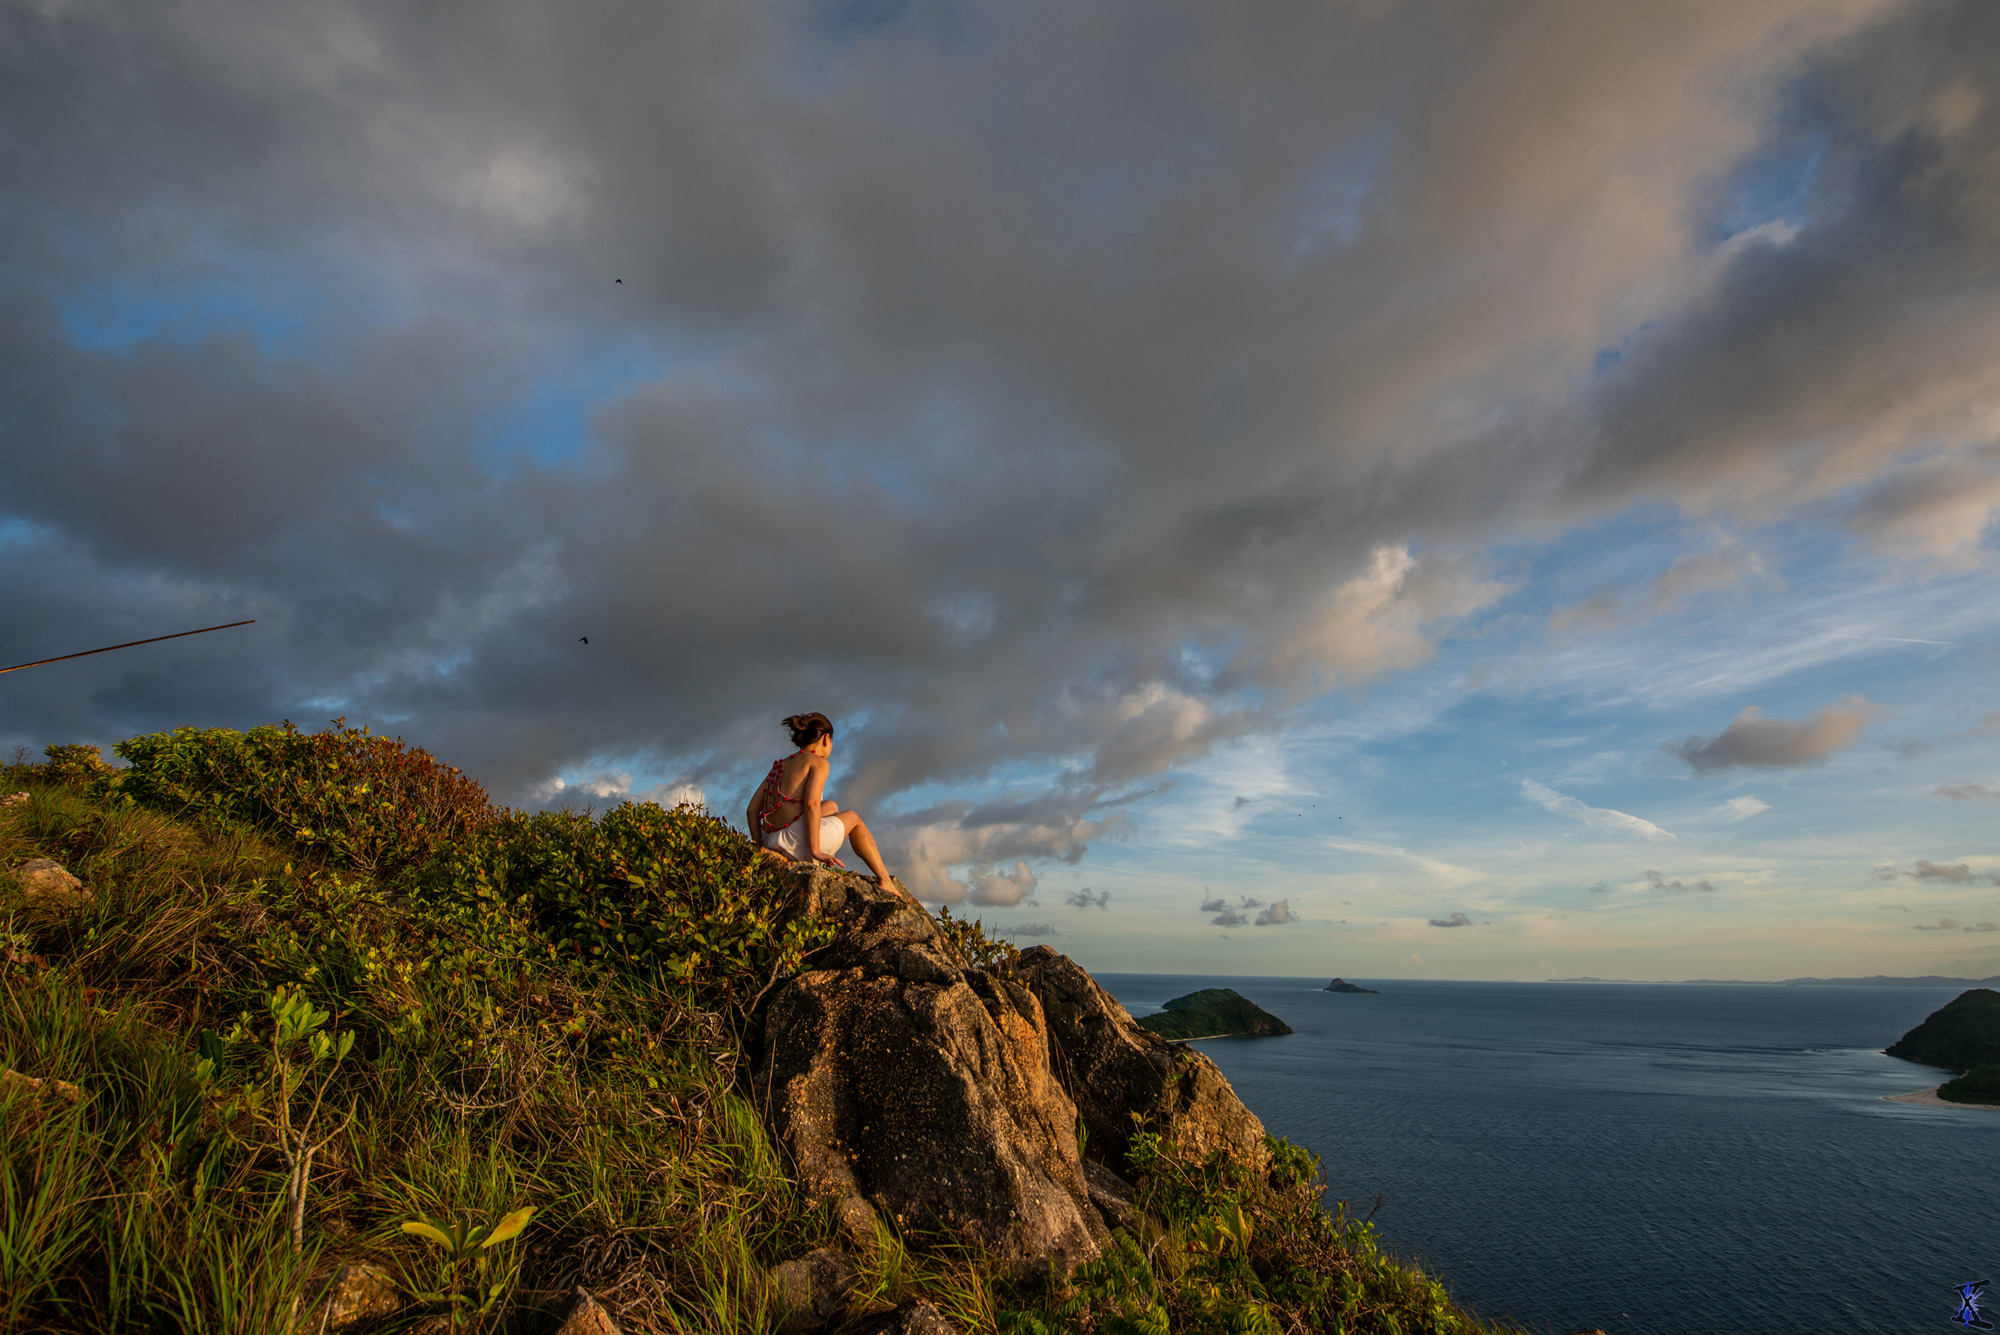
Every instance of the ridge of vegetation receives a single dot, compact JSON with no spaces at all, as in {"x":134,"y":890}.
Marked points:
{"x":1962,"y":1035}
{"x":318,"y":1001}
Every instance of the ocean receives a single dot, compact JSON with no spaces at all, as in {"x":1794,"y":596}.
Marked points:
{"x":1650,"y":1159}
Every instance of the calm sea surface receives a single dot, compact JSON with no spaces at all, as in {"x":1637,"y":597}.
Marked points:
{"x":1654,"y":1160}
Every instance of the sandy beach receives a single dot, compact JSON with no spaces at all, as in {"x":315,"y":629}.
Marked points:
{"x":1930,"y":1096}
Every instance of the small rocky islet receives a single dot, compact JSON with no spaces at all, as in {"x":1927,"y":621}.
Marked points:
{"x":1342,"y":985}
{"x":1213,"y":1012}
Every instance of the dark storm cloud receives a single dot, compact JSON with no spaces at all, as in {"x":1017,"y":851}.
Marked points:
{"x":1034,"y":389}
{"x":1774,"y":743}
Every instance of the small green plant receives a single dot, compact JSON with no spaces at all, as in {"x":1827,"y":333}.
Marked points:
{"x":969,"y":936}
{"x":301,"y":1057}
{"x":464,"y":1243}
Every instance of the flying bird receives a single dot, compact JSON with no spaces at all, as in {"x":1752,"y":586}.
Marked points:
{"x":583,"y":639}
{"x":617,"y":280}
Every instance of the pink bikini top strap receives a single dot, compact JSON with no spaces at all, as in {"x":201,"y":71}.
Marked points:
{"x":777,"y":794}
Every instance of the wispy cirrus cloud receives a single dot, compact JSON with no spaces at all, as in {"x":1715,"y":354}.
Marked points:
{"x":1597,"y":818}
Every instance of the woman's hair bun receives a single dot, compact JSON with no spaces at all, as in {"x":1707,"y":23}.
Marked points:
{"x":809,"y":728}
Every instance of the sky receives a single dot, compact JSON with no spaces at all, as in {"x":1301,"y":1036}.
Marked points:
{"x":1396,"y":490}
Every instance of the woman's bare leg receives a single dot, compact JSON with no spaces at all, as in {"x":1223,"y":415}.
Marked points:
{"x":863,"y":840}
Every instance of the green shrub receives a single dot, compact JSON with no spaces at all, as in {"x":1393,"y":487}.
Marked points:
{"x":673,"y":896}
{"x":969,"y":936}
{"x":368,"y":802}
{"x":1223,"y":1247}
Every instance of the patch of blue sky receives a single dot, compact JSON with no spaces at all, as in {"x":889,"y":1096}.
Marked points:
{"x":1773,"y":184}
{"x":549,"y":420}
{"x":280,"y":300}
{"x":1614,"y":353}
{"x":1007,"y":782}
{"x":829,"y":32}
{"x":16,"y":532}
{"x":1332,"y":202}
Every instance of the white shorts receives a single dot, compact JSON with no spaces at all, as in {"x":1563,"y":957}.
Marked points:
{"x":791,"y":841}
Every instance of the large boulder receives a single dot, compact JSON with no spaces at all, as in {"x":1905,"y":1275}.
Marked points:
{"x":1112,"y":1068}
{"x":892,"y":1072}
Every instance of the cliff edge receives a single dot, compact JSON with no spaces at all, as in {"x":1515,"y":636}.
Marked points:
{"x":900,"y":1078}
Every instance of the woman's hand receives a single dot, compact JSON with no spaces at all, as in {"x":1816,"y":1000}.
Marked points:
{"x":831,"y":861}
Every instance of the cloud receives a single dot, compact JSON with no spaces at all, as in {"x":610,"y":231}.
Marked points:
{"x":1988,"y":726}
{"x":1744,"y":807}
{"x":1030,"y":929}
{"x":1951,"y":925}
{"x":1238,"y":914}
{"x":1455,"y":920}
{"x":1966,"y":792}
{"x":1116,"y":449}
{"x":1597,"y":818}
{"x":1690,"y":574}
{"x":1083,"y":899}
{"x":1775,"y":743}
{"x":1659,"y":882}
{"x":1934,"y":509}
{"x":982,"y":852}
{"x":1953,"y":873}
{"x":1600,"y":888}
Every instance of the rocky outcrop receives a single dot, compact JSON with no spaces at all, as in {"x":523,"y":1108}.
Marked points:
{"x":46,"y":884}
{"x":895,"y":1074}
{"x":812,"y":1291}
{"x":1112,"y":1068}
{"x":361,"y":1295}
{"x":587,"y":1317}
{"x":899,"y":1078}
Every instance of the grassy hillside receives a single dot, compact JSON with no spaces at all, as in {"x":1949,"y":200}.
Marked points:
{"x":315,"y":989}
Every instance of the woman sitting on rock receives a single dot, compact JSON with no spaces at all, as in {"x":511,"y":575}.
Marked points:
{"x":776,"y":819}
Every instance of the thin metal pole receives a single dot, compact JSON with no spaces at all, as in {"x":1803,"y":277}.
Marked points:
{"x":109,"y":647}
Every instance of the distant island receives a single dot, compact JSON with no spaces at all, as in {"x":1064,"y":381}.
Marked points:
{"x":1213,"y":1012}
{"x":1963,"y":1036}
{"x":1342,"y":985}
